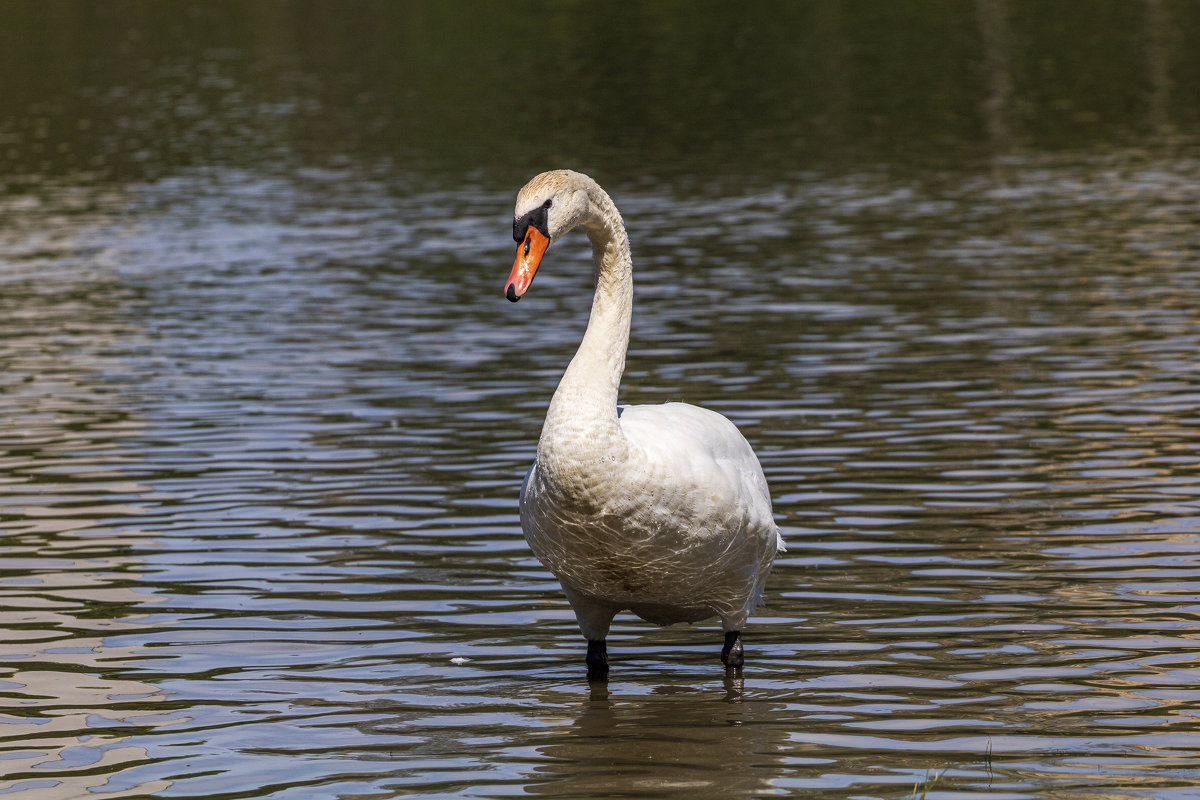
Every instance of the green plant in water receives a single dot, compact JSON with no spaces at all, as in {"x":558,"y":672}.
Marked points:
{"x":929,"y":784}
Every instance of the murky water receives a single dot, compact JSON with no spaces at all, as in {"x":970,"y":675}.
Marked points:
{"x":264,"y":411}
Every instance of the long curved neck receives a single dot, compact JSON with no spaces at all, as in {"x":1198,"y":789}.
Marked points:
{"x":585,"y":402}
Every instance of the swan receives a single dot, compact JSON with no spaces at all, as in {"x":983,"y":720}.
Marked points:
{"x":662,"y":510}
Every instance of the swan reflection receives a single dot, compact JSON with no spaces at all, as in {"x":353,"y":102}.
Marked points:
{"x":676,"y":740}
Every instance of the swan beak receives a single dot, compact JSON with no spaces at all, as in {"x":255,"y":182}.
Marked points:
{"x":529,"y":255}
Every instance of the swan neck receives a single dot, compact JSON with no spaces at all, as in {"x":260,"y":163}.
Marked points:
{"x":587,"y":395}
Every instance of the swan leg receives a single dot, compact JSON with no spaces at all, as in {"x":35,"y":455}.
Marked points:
{"x":597,"y":659}
{"x":594,"y":619}
{"x":731,"y":653}
{"x":593,"y":616}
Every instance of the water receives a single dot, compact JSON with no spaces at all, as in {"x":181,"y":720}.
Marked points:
{"x":265,"y":411}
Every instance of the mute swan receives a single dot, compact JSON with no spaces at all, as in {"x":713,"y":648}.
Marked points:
{"x":661,"y":510}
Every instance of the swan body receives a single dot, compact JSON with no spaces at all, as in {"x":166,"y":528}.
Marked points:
{"x":662,"y":510}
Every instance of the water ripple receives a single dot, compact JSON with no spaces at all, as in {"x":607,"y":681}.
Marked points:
{"x":263,"y":449}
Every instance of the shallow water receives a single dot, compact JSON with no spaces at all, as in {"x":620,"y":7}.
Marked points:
{"x":266,"y":412}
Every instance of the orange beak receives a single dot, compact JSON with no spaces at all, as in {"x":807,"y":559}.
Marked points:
{"x":529,"y":255}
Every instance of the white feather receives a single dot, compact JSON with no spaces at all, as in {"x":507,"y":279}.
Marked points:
{"x":662,"y":510}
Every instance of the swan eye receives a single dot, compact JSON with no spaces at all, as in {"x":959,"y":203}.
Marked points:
{"x":536,"y":219}
{"x":547,"y":203}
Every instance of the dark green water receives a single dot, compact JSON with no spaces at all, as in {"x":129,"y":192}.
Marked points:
{"x":264,"y":411}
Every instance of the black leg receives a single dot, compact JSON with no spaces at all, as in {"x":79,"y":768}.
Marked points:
{"x":731,"y":653}
{"x":597,"y":660}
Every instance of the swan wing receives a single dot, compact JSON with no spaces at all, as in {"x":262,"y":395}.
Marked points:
{"x":701,"y":457}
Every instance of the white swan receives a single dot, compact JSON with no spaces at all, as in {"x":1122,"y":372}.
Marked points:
{"x":662,"y":510}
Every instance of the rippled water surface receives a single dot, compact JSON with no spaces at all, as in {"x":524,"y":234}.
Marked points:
{"x":264,"y":411}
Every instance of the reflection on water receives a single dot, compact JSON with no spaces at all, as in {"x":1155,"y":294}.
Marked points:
{"x":69,"y":594}
{"x":67,"y":726}
{"x":265,"y":411}
{"x":238,"y":531}
{"x":679,"y":740}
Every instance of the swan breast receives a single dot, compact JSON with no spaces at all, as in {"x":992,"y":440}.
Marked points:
{"x":681,"y":518}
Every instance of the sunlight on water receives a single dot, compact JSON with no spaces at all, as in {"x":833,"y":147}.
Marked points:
{"x":234,"y":517}
{"x":266,"y":413}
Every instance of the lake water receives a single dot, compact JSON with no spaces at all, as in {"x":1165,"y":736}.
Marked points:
{"x":265,"y":412}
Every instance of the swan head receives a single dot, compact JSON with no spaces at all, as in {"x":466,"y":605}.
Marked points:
{"x":547,"y":208}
